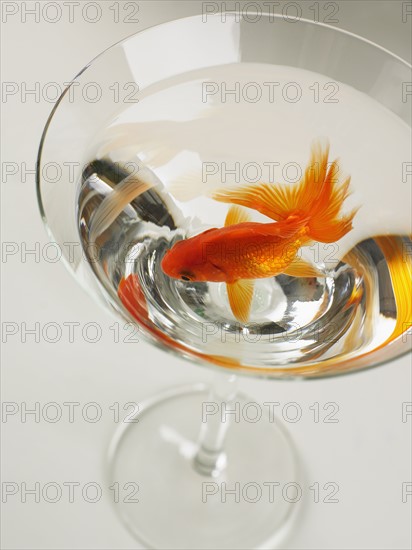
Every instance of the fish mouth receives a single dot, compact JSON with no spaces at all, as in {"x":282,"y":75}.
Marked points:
{"x":166,"y":266}
{"x":172,"y":269}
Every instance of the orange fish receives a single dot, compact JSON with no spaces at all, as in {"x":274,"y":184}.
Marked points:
{"x":243,"y":250}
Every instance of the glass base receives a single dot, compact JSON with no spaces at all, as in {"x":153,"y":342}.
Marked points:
{"x":165,"y":500}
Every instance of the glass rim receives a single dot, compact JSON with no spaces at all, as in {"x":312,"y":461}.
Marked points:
{"x":132,"y":35}
{"x":277,"y":373}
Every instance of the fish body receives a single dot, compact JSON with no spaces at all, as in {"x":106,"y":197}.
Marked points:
{"x":243,"y":251}
{"x":248,"y":250}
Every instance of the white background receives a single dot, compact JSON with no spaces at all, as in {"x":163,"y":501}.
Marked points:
{"x":367,"y":453}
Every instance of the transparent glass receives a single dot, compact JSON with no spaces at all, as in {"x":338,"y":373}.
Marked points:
{"x":216,"y":96}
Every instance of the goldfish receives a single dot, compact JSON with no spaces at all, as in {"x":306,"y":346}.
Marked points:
{"x":243,"y":251}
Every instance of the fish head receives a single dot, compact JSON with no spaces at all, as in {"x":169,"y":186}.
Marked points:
{"x":188,"y":261}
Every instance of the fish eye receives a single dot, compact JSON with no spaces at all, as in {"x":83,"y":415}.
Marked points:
{"x":185,"y":276}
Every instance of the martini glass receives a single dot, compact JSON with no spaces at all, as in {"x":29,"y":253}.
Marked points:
{"x":220,"y":101}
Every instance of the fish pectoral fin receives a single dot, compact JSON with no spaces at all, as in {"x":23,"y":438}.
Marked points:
{"x":240,"y":296}
{"x":301,"y":268}
{"x":236,"y":215}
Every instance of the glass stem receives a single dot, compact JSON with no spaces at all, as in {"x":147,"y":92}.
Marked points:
{"x":210,"y":459}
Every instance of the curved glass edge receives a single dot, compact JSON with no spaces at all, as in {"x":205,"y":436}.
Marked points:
{"x":314,"y":371}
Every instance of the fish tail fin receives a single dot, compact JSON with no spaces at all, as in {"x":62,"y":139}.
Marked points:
{"x":318,"y":197}
{"x":326,"y":193}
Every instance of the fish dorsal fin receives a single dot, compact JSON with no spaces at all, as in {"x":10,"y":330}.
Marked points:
{"x":236,"y":215}
{"x":240,"y":296}
{"x":301,"y":268}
